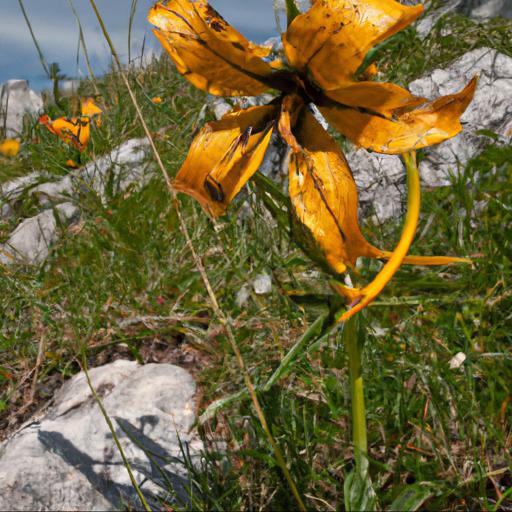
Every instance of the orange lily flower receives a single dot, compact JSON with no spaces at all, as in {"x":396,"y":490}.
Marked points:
{"x":75,"y":130}
{"x":324,"y":48}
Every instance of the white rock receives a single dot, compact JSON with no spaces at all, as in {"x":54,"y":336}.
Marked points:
{"x":119,"y":169}
{"x":117,"y":172}
{"x":68,"y":461}
{"x":427,"y":22}
{"x":242,"y":296}
{"x":12,"y":191}
{"x":29,"y":242}
{"x":380,"y":181}
{"x":16,"y":100}
{"x":477,"y":9}
{"x":262,"y":284}
{"x":483,"y":9}
{"x":381,"y":178}
{"x":491,"y":109}
{"x":457,"y":360}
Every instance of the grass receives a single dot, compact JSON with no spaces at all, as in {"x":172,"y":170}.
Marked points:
{"x":446,"y":430}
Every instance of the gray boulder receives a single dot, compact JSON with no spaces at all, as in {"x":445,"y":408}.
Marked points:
{"x":67,"y":460}
{"x":13,"y":191}
{"x":115,"y":172}
{"x":491,"y":110}
{"x":118,"y":172}
{"x":17,"y":100}
{"x":479,"y":10}
{"x":29,"y":243}
{"x":381,"y":178}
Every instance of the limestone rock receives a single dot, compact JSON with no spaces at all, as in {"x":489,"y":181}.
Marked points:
{"x":30,"y":241}
{"x":12,"y":191}
{"x":262,"y":284}
{"x":425,"y":24}
{"x":16,"y":100}
{"x":380,"y":181}
{"x":67,"y":460}
{"x":477,"y":9}
{"x":381,"y":178}
{"x":491,"y":109}
{"x":115,"y":173}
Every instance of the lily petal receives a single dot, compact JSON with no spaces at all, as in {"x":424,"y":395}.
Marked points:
{"x":10,"y":147}
{"x":330,"y":41}
{"x":324,"y":196}
{"x":91,"y":110}
{"x":431,"y":123}
{"x":207,"y":51}
{"x":224,"y":155}
{"x":372,"y":290}
{"x":381,"y":98}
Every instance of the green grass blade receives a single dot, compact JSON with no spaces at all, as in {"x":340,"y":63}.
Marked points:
{"x":38,"y":48}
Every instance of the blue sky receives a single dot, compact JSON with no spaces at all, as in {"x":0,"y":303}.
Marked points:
{"x":57,"y":32}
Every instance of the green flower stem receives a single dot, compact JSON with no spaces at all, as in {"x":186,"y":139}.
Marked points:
{"x":354,"y":347}
{"x":292,"y":11}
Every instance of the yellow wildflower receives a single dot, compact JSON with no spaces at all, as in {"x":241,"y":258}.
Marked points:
{"x":9,"y":147}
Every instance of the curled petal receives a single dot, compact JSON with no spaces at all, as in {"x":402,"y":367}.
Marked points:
{"x":428,"y":124}
{"x":330,"y":41}
{"x":207,"y":51}
{"x":224,"y":155}
{"x":291,"y":107}
{"x":372,"y":290}
{"x":324,"y":198}
{"x":381,"y":98}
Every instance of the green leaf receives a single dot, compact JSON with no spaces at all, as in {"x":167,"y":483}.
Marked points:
{"x":411,"y":498}
{"x":359,"y":493}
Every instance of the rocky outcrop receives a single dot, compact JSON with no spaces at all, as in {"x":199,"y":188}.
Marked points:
{"x":17,"y":100}
{"x":381,"y":178}
{"x":477,"y":9}
{"x":118,"y":172}
{"x":490,"y":110}
{"x":67,"y":459}
{"x":30,"y":241}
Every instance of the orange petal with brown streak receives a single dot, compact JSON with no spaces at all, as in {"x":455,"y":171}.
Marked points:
{"x":324,"y":198}
{"x":224,"y":155}
{"x":207,"y":51}
{"x":331,"y":40}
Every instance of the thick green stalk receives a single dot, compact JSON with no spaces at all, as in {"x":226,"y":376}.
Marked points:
{"x":354,"y":347}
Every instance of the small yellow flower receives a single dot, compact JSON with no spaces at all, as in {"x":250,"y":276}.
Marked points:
{"x":71,"y":164}
{"x":9,"y":148}
{"x":156,"y":100}
{"x":323,"y":51}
